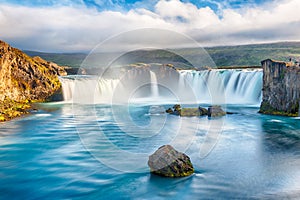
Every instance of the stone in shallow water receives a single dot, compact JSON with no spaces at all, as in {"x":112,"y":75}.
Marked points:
{"x":187,"y":112}
{"x":168,"y":162}
{"x":215,"y":111}
{"x":190,"y":112}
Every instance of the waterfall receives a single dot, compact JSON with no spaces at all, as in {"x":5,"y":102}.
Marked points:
{"x":154,"y":85}
{"x":233,"y":86}
{"x":188,"y":86}
{"x":87,"y":89}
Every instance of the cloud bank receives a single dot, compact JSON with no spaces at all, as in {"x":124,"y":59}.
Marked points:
{"x":80,"y":28}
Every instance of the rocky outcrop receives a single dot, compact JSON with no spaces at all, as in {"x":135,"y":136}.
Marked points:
{"x":281,"y":88}
{"x":186,"y":112}
{"x":25,"y":78}
{"x":168,"y":162}
{"x":215,"y":111}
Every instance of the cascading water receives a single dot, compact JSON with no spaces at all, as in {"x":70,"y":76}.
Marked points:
{"x":234,"y":86}
{"x":87,"y":89}
{"x":154,"y":85}
{"x":208,"y":86}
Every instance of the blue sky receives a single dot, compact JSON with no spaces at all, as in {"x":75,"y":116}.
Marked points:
{"x":126,"y":5}
{"x":79,"y":25}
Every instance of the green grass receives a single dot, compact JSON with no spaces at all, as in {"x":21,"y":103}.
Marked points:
{"x":224,"y":56}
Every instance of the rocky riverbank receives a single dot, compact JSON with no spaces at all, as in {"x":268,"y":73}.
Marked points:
{"x":281,"y":88}
{"x":24,"y":79}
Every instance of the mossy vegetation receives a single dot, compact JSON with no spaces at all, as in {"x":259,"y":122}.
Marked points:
{"x":10,"y":109}
{"x":25,"y":79}
{"x":266,"y":108}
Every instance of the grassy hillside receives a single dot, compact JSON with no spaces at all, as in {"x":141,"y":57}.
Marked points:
{"x":253,"y":54}
{"x":62,"y":59}
{"x":225,"y":56}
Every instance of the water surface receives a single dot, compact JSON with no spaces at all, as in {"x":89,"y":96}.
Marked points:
{"x":69,"y":151}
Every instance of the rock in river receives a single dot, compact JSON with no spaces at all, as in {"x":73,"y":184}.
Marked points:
{"x":187,"y":112}
{"x":215,"y":111}
{"x":168,"y":162}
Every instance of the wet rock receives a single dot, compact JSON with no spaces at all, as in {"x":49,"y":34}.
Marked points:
{"x":215,"y":111}
{"x":169,"y":110}
{"x":190,"y":112}
{"x":202,"y":111}
{"x":177,"y":109}
{"x":187,"y":112}
{"x":168,"y":162}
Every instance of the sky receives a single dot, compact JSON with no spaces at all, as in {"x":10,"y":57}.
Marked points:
{"x":80,"y":25}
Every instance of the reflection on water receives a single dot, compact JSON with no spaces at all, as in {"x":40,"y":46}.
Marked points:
{"x":55,"y":154}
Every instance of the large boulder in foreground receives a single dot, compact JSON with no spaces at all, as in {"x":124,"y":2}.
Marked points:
{"x":168,"y":162}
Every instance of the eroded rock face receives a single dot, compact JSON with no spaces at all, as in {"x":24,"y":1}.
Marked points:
{"x":168,"y":162}
{"x":25,"y":78}
{"x":281,"y":88}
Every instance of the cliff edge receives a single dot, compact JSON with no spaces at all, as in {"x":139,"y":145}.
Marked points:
{"x":281,"y":88}
{"x":23,"y":79}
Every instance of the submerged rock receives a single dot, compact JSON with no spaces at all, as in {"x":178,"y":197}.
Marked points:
{"x":168,"y":162}
{"x":215,"y":111}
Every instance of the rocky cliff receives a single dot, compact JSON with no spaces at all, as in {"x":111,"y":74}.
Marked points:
{"x":23,"y":79}
{"x":26,"y":78}
{"x":281,"y":88}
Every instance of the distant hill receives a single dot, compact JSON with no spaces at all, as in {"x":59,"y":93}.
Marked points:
{"x":63,"y":59}
{"x":249,"y":55}
{"x":223,"y":56}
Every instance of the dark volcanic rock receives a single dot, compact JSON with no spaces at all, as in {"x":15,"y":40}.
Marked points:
{"x":169,"y":110}
{"x":281,"y":88}
{"x":215,"y":111}
{"x":202,"y":111}
{"x":177,"y":109}
{"x":166,"y":161}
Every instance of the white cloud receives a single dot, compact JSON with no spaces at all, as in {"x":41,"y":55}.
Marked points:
{"x":75,"y":29}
